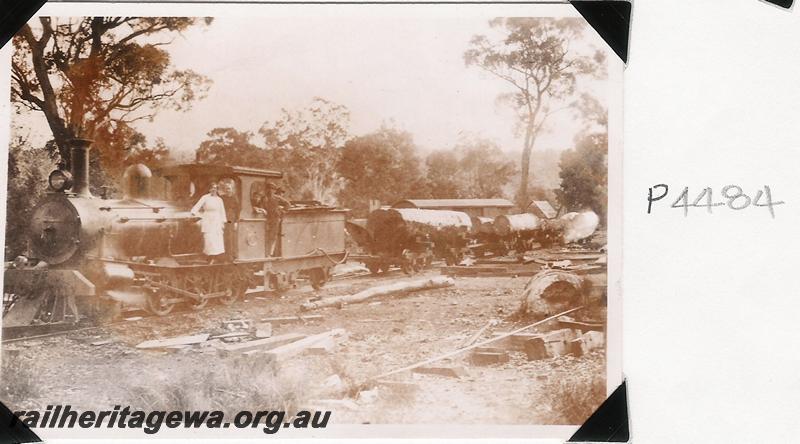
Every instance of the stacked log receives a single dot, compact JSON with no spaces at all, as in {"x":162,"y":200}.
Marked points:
{"x":526,"y":227}
{"x":434,"y":218}
{"x":396,"y":229}
{"x":482,"y":225}
{"x":579,"y":225}
{"x":516,"y":223}
{"x":572,"y":227}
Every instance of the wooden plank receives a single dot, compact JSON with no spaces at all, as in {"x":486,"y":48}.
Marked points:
{"x":450,"y":372}
{"x":498,"y":261}
{"x":491,"y":271}
{"x":584,"y":326}
{"x":169,"y":342}
{"x":484,"y":358}
{"x":295,"y":348}
{"x":461,"y":269}
{"x":289,"y":319}
{"x":517,"y":341}
{"x":266,"y":344}
{"x":572,"y":257}
{"x":231,"y":335}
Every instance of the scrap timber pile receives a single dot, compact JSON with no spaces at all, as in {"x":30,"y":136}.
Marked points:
{"x":579,"y":261}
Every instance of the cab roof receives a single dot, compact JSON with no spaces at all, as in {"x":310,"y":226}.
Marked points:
{"x":199,"y":169}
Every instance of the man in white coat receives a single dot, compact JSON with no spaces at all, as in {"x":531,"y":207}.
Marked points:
{"x":211,"y":210}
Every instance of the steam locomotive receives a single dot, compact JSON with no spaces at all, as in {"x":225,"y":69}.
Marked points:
{"x":89,"y":256}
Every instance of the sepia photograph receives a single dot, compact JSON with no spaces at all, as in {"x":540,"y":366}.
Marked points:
{"x":310,"y":220}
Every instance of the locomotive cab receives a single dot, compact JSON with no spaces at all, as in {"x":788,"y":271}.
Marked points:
{"x":245,"y":229}
{"x":311,"y":236}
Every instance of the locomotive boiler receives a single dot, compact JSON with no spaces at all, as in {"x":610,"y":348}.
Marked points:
{"x":89,"y":256}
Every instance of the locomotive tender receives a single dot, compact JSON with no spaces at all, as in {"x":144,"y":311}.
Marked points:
{"x":90,"y":255}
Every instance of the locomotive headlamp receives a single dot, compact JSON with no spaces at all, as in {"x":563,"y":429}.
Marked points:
{"x":60,"y":180}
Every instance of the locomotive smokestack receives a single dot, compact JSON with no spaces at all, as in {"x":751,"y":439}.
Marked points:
{"x":79,"y":159}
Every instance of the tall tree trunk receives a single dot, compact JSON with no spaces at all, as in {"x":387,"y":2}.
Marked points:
{"x":525,"y":165}
{"x":61,"y":133}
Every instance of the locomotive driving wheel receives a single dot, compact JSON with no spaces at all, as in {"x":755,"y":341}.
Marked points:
{"x":234,"y":294}
{"x":199,"y":284}
{"x":159,"y":300}
{"x":159,"y":303}
{"x":233,"y":284}
{"x":318,"y":277}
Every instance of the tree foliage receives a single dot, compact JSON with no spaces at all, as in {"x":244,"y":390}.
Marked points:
{"x":584,"y":169}
{"x":118,"y":146}
{"x":306,"y":145}
{"x":92,"y":77}
{"x":227,"y":146}
{"x":382,"y":165}
{"x":442,"y":178}
{"x":584,"y":175}
{"x":472,"y":169}
{"x":535,"y":58}
{"x":27,"y":182}
{"x":483,"y":169}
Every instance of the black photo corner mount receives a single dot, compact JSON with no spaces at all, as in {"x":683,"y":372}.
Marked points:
{"x":13,"y":431}
{"x":609,"y":423}
{"x":612,"y":20}
{"x":14,"y":14}
{"x":786,"y":4}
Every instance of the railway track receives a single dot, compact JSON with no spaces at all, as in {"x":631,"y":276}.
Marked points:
{"x":29,"y":332}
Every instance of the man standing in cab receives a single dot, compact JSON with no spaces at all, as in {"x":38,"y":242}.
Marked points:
{"x":272,"y":205}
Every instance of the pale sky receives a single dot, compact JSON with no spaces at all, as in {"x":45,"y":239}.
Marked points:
{"x":408,"y":71}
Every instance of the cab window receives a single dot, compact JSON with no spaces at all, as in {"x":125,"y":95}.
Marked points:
{"x":257,"y":191}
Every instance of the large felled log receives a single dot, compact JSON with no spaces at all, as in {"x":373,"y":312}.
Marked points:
{"x":482,"y":224}
{"x":552,"y":290}
{"x":181,"y":340}
{"x":579,"y":225}
{"x":434,"y":218}
{"x":397,"y":229}
{"x":568,"y":228}
{"x":515,"y":223}
{"x":383,"y":290}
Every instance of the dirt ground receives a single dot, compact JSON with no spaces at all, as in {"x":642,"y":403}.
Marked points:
{"x":383,"y":334}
